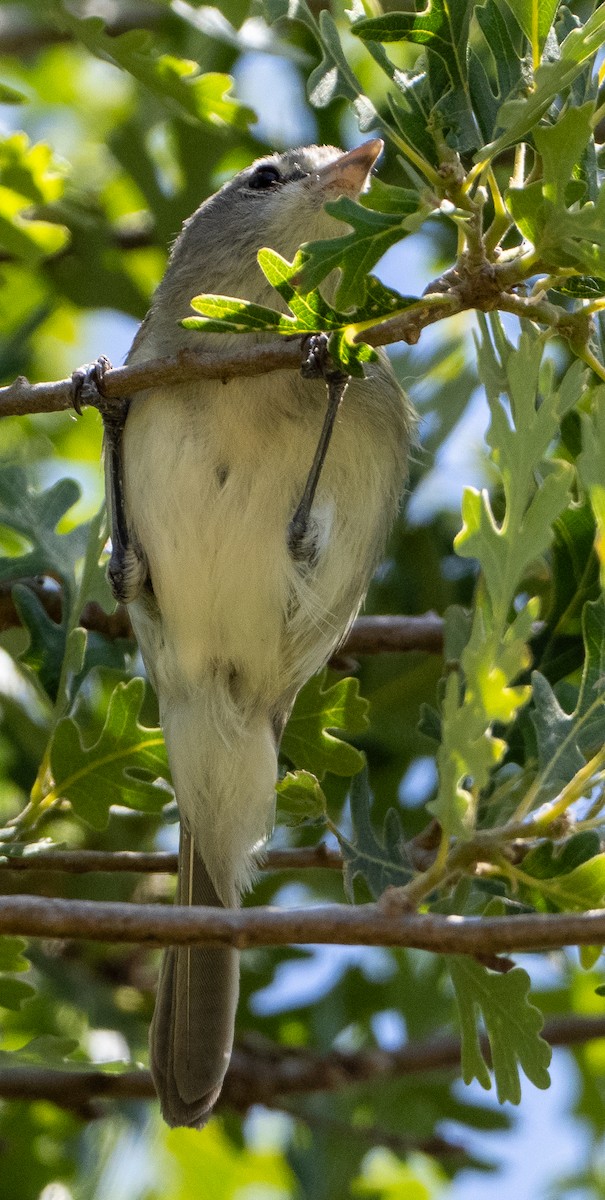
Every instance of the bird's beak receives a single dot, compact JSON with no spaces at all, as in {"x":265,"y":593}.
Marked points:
{"x":347,"y":175}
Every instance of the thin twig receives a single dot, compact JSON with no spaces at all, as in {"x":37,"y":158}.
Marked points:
{"x":79,"y":862}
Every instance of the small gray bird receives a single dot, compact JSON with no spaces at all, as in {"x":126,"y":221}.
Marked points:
{"x":233,"y":614}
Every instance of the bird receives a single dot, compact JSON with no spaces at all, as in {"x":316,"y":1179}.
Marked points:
{"x":235,"y":607}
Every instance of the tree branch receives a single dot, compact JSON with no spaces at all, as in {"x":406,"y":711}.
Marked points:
{"x":79,"y":862}
{"x":364,"y":925}
{"x":395,"y":634}
{"x":21,"y":36}
{"x":261,"y":1071}
{"x":368,"y":635}
{"x":23,"y":397}
{"x":465,"y":287}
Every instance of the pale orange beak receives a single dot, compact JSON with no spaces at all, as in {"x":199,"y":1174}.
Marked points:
{"x":347,"y":175}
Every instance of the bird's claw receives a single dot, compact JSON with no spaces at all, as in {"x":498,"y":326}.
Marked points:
{"x":88,"y":386}
{"x":317,"y":362}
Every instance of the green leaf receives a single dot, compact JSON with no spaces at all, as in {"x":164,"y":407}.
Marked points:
{"x":506,"y":549}
{"x":550,"y":859}
{"x":35,"y":516}
{"x":121,"y":766}
{"x":10,"y":95}
{"x":589,"y":956}
{"x":310,"y":312}
{"x":485,"y":691}
{"x":535,"y":18}
{"x":591,"y":468}
{"x":575,"y":891}
{"x":46,"y":649}
{"x":521,"y":116}
{"x":335,"y":77}
{"x":225,"y":314}
{"x":381,"y":861}
{"x":501,"y":40}
{"x":388,"y":198}
{"x":442,"y":29}
{"x":567,"y":740}
{"x":354,"y":254}
{"x":467,"y":753}
{"x":175,"y":81}
{"x":29,"y":176}
{"x":300,"y":798}
{"x":561,"y":147}
{"x":512,"y":1025}
{"x":307,"y":740}
{"x":564,"y":233}
{"x":14,"y":992}
{"x":42,"y":1050}
{"x":72,"y":558}
{"x":11,"y":954}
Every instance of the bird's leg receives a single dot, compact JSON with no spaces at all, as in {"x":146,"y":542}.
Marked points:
{"x":127,"y":571}
{"x":316,"y":364}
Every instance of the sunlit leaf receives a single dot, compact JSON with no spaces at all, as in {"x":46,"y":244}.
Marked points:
{"x":121,"y":766}
{"x":512,"y":1025}
{"x":299,"y":798}
{"x":309,"y":741}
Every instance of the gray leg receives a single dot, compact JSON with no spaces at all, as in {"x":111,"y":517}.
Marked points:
{"x":316,"y":364}
{"x":128,"y":571}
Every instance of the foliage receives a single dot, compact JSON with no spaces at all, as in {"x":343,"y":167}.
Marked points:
{"x":491,"y":115}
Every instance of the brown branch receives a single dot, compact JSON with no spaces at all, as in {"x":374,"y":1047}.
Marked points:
{"x":79,"y":862}
{"x":395,"y":634}
{"x":21,"y":36}
{"x":364,"y":925}
{"x":368,"y":635}
{"x":261,"y":1072}
{"x":456,"y":292}
{"x":23,"y":397}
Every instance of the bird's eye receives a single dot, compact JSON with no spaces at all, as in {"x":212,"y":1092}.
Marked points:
{"x":265,"y":176}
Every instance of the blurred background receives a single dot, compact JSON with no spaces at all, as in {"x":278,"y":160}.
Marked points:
{"x":103,"y":157}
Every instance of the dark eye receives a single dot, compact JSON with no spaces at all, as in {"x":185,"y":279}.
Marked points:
{"x":265,"y":176}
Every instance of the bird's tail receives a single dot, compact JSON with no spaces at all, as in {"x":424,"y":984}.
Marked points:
{"x":191,"y":1033}
{"x":223,"y":761}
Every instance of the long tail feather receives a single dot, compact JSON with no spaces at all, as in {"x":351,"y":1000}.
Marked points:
{"x":191,"y":1035}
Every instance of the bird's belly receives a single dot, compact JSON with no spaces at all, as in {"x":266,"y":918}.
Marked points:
{"x":211,"y":487}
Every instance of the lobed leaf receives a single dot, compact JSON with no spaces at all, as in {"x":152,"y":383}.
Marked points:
{"x":35,"y":516}
{"x":175,"y":81}
{"x":29,"y":176}
{"x":310,"y":313}
{"x":535,"y":18}
{"x":121,"y":766}
{"x":512,"y":1025}
{"x":382,"y":860}
{"x":300,"y":798}
{"x":591,"y":468}
{"x":566,"y":740}
{"x":354,"y":254}
{"x":521,"y":116}
{"x":308,"y":741}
